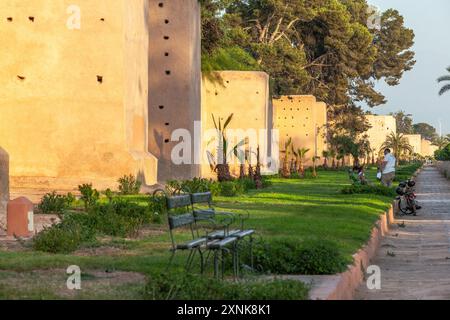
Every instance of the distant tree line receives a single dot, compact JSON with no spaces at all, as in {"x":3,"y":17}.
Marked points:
{"x":326,"y":48}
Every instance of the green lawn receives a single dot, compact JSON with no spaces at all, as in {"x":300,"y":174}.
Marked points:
{"x":296,"y":209}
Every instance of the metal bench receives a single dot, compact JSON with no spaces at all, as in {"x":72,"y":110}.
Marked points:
{"x":210,"y":214}
{"x":184,"y":220}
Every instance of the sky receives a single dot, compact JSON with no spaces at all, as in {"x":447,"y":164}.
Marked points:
{"x":417,"y":93}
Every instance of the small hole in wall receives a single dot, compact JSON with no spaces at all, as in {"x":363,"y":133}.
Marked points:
{"x":21,"y":78}
{"x":166,"y":37}
{"x":102,"y":19}
{"x":161,"y":4}
{"x":166,"y":21}
{"x":10,"y":19}
{"x":161,"y":107}
{"x":167,"y":124}
{"x":31,"y":19}
{"x":167,"y":140}
{"x":168,"y":72}
{"x":100,"y":79}
{"x":166,"y":54}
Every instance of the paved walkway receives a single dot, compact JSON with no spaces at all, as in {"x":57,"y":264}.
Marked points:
{"x":415,"y":258}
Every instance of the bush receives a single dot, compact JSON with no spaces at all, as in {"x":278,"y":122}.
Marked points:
{"x":444,"y":154}
{"x":247,"y":184}
{"x":316,"y":257}
{"x":66,"y":237}
{"x":369,"y":189}
{"x":129,"y":185}
{"x":120,"y":218}
{"x":195,"y":287}
{"x":89,"y":195}
{"x":230,"y":189}
{"x":53,"y":203}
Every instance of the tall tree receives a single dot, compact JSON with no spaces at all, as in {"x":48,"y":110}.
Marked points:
{"x":399,"y":145}
{"x":441,"y":142}
{"x":427,"y":131}
{"x":404,"y":122}
{"x":446,"y":86}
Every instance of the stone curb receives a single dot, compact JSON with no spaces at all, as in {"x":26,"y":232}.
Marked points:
{"x":343,"y":285}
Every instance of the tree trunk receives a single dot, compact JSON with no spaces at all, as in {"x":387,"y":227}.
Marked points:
{"x":223,"y":173}
{"x":285,"y":171}
{"x":301,"y":169}
{"x":242,"y":171}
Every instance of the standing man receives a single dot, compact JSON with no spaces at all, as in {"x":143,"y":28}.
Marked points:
{"x":388,"y":168}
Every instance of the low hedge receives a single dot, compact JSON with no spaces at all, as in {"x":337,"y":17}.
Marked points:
{"x":118,"y":218}
{"x":312,"y":257}
{"x":196,"y":287}
{"x":369,"y":189}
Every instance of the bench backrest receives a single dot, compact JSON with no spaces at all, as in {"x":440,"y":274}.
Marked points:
{"x":181,"y":220}
{"x":202,"y":198}
{"x":176,"y":202}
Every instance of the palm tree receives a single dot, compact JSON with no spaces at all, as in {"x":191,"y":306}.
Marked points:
{"x":441,"y":142}
{"x":326,"y":155}
{"x":333,"y":157}
{"x":446,"y":87}
{"x":285,"y":170}
{"x":399,"y":144}
{"x":314,"y":171}
{"x":219,"y":162}
{"x":301,"y":155}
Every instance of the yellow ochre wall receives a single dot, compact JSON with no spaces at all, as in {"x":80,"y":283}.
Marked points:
{"x":304,"y":119}
{"x":174,"y":82}
{"x":59,"y":125}
{"x":415,"y":140}
{"x":244,"y":94}
{"x":428,"y":149}
{"x":381,"y":128}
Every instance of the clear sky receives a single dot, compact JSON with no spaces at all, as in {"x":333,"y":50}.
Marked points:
{"x":417,"y":93}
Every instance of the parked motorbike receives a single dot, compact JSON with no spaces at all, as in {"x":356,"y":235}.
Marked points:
{"x":407,"y":203}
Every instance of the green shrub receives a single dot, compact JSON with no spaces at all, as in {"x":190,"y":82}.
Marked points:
{"x":129,"y":185}
{"x":157,"y":209}
{"x":444,"y":154}
{"x":313,"y":257}
{"x":66,"y":237}
{"x":266,"y":182}
{"x":215,"y":188}
{"x":196,"y":287}
{"x":89,"y":196}
{"x":53,"y":203}
{"x":230,"y":189}
{"x":247,"y":184}
{"x":120,"y":218}
{"x":57,"y":239}
{"x":196,"y":185}
{"x":369,"y":189}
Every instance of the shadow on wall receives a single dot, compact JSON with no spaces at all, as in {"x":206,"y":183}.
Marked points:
{"x":174,"y":80}
{"x":4,"y":186}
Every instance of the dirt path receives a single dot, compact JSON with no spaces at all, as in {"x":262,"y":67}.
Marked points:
{"x":418,"y":263}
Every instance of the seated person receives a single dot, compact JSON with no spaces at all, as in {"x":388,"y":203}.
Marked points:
{"x":358,"y":175}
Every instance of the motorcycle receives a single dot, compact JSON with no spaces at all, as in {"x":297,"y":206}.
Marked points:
{"x":407,"y":203}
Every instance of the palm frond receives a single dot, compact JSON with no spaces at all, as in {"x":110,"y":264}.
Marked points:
{"x":444,"y":78}
{"x":227,"y":122}
{"x":215,"y":123}
{"x":444,"y":89}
